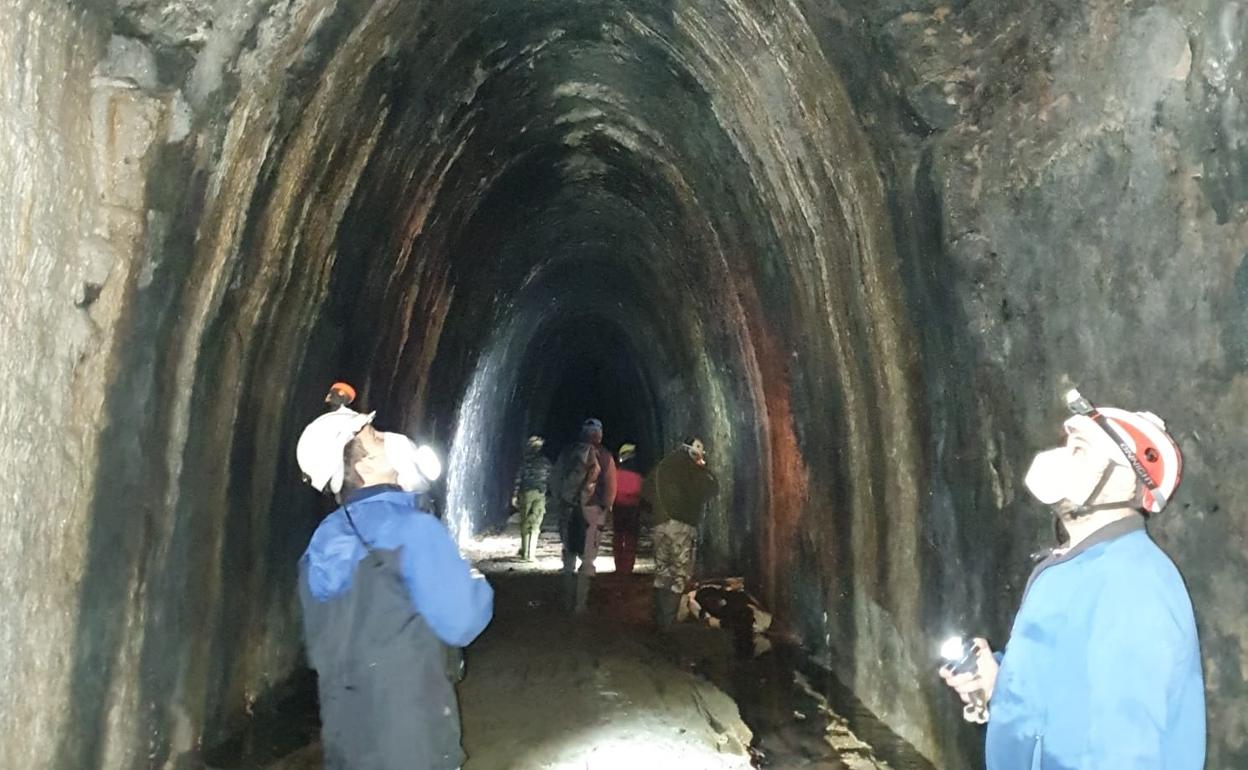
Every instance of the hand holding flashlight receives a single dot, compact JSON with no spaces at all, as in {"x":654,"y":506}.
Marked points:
{"x":971,"y":670}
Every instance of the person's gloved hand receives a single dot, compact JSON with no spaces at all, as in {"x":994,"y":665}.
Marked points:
{"x":982,"y":680}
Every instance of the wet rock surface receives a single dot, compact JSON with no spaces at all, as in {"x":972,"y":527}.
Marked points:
{"x":859,"y":246}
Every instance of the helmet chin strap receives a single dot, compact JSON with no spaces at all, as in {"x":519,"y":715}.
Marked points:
{"x":1087,"y":508}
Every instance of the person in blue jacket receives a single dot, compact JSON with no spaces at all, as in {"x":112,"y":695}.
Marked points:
{"x":385,"y":596}
{"x":1102,"y":670}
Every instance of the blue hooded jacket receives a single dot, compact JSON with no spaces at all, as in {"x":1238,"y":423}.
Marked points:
{"x":384,"y":591}
{"x":456,"y":604}
{"x":1102,"y":670}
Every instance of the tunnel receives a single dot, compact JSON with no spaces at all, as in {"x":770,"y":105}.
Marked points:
{"x":860,"y":247}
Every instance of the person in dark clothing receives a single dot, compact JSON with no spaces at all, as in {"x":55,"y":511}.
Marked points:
{"x":532,"y":482}
{"x":675,"y":492}
{"x":385,"y":595}
{"x":627,"y":518}
{"x":724,"y":603}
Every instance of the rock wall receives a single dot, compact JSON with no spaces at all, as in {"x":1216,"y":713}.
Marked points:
{"x":79,"y":131}
{"x":859,"y":246}
{"x":1079,"y":177}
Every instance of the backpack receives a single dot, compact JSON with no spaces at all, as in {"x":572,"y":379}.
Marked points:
{"x":580,"y":475}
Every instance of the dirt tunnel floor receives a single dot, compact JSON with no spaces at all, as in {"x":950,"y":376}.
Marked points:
{"x":599,"y":691}
{"x":603,"y":691}
{"x":545,"y":690}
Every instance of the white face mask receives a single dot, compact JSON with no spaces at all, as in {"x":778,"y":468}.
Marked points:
{"x":417,"y":467}
{"x":1058,"y":474}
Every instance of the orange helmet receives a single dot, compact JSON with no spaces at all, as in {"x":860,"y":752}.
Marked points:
{"x":340,"y":394}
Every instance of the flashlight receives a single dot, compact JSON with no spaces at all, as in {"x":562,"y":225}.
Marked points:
{"x":960,"y":656}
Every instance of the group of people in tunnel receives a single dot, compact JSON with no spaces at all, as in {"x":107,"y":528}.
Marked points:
{"x":1102,"y":669}
{"x":588,"y":488}
{"x":388,"y":600}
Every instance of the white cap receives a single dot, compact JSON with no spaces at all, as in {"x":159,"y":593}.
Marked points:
{"x":321,"y":445}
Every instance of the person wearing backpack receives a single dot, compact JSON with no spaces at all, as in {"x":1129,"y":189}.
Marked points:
{"x":584,"y":482}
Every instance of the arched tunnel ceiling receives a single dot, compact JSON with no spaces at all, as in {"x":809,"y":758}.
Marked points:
{"x":859,"y":246}
{"x":589,"y":135}
{"x":586,"y":132}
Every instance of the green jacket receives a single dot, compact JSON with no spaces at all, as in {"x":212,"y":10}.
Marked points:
{"x":678,"y":488}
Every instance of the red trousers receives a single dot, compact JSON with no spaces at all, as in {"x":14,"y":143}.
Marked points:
{"x":624,"y":540}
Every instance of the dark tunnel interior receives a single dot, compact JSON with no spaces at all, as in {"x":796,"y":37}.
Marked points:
{"x":859,"y":248}
{"x":588,"y":367}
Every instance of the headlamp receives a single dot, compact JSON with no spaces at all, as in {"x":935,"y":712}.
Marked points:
{"x":427,"y":462}
{"x":1077,"y":404}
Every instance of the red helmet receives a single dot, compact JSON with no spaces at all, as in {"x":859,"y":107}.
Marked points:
{"x":1144,"y":434}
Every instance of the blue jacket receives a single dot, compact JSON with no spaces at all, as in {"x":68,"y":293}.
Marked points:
{"x":1102,"y":670}
{"x":440,"y":585}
